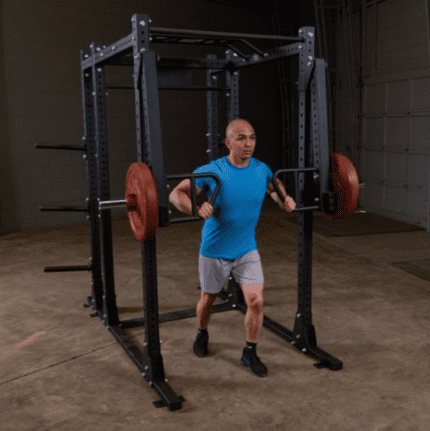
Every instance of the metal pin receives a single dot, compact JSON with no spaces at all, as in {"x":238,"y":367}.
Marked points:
{"x":142,"y":23}
{"x":298,"y":336}
{"x":228,"y":94}
{"x":208,"y":151}
{"x":208,"y":134}
{"x":298,"y":314}
{"x":113,"y":48}
{"x":99,"y":69}
{"x":98,"y":49}
{"x":304,"y":350}
{"x":293,"y":342}
{"x":310,"y":34}
{"x":310,"y":58}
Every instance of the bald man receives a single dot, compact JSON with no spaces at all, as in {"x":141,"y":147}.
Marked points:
{"x":228,"y":234}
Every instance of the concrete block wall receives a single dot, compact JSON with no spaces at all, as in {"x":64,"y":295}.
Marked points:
{"x":40,"y":99}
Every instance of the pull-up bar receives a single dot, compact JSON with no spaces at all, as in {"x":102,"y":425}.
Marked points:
{"x":195,"y":34}
{"x":130,"y":87}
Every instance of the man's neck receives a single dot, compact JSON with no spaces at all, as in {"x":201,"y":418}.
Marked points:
{"x":240,"y":166}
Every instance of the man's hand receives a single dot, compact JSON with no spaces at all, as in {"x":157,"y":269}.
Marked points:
{"x":289,"y":205}
{"x":205,"y":211}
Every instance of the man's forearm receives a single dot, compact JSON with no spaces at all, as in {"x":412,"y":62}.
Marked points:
{"x":275,"y":196}
{"x":181,"y":201}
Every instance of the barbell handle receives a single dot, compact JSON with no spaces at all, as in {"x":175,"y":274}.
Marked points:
{"x":214,"y":194}
{"x":108,"y":205}
{"x":281,"y":171}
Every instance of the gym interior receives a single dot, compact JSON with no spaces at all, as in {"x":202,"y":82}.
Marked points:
{"x":65,"y":368}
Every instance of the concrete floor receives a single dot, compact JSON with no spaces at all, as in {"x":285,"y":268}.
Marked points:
{"x":62,"y":370}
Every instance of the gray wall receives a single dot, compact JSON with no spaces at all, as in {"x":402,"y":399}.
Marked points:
{"x":40,"y":99}
{"x":396,"y":111}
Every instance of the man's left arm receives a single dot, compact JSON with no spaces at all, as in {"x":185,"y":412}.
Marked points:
{"x":273,"y":194}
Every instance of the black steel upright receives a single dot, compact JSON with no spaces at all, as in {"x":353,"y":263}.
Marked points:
{"x":153,"y":73}
{"x":89,"y":138}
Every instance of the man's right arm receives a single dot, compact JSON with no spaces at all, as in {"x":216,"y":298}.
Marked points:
{"x":180,"y":197}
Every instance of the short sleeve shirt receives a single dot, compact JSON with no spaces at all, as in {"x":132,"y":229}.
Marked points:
{"x":230,"y":232}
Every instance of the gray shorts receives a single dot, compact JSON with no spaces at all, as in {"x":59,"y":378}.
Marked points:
{"x":213,"y":273}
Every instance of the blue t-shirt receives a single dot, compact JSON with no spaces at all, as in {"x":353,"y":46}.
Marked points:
{"x":230,"y":232}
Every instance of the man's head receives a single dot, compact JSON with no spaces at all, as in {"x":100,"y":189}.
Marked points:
{"x":240,"y":140}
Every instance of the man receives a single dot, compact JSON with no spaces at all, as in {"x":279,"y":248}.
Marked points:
{"x":228,"y":238}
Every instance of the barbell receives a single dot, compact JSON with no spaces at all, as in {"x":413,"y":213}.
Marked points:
{"x":141,"y":197}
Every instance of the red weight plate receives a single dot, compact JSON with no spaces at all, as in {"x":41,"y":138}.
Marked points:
{"x":142,"y":201}
{"x":345,"y":185}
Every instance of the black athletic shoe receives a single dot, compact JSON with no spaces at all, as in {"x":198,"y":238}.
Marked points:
{"x":200,"y":347}
{"x":252,"y":361}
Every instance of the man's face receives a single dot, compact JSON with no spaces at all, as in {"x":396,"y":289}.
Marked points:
{"x":241,"y":141}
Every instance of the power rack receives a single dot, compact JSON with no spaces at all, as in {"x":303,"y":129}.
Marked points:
{"x":151,"y":74}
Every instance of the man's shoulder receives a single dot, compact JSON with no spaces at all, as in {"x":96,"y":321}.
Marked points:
{"x":211,"y":166}
{"x":260,"y":165}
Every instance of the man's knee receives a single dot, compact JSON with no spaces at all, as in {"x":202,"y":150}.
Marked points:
{"x":208,"y":298}
{"x":255,"y":302}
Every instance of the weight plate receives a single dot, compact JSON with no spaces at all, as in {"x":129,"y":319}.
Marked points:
{"x":345,"y":186}
{"x":142,"y":201}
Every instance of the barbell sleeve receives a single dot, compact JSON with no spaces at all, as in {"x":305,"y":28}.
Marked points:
{"x":109,"y":205}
